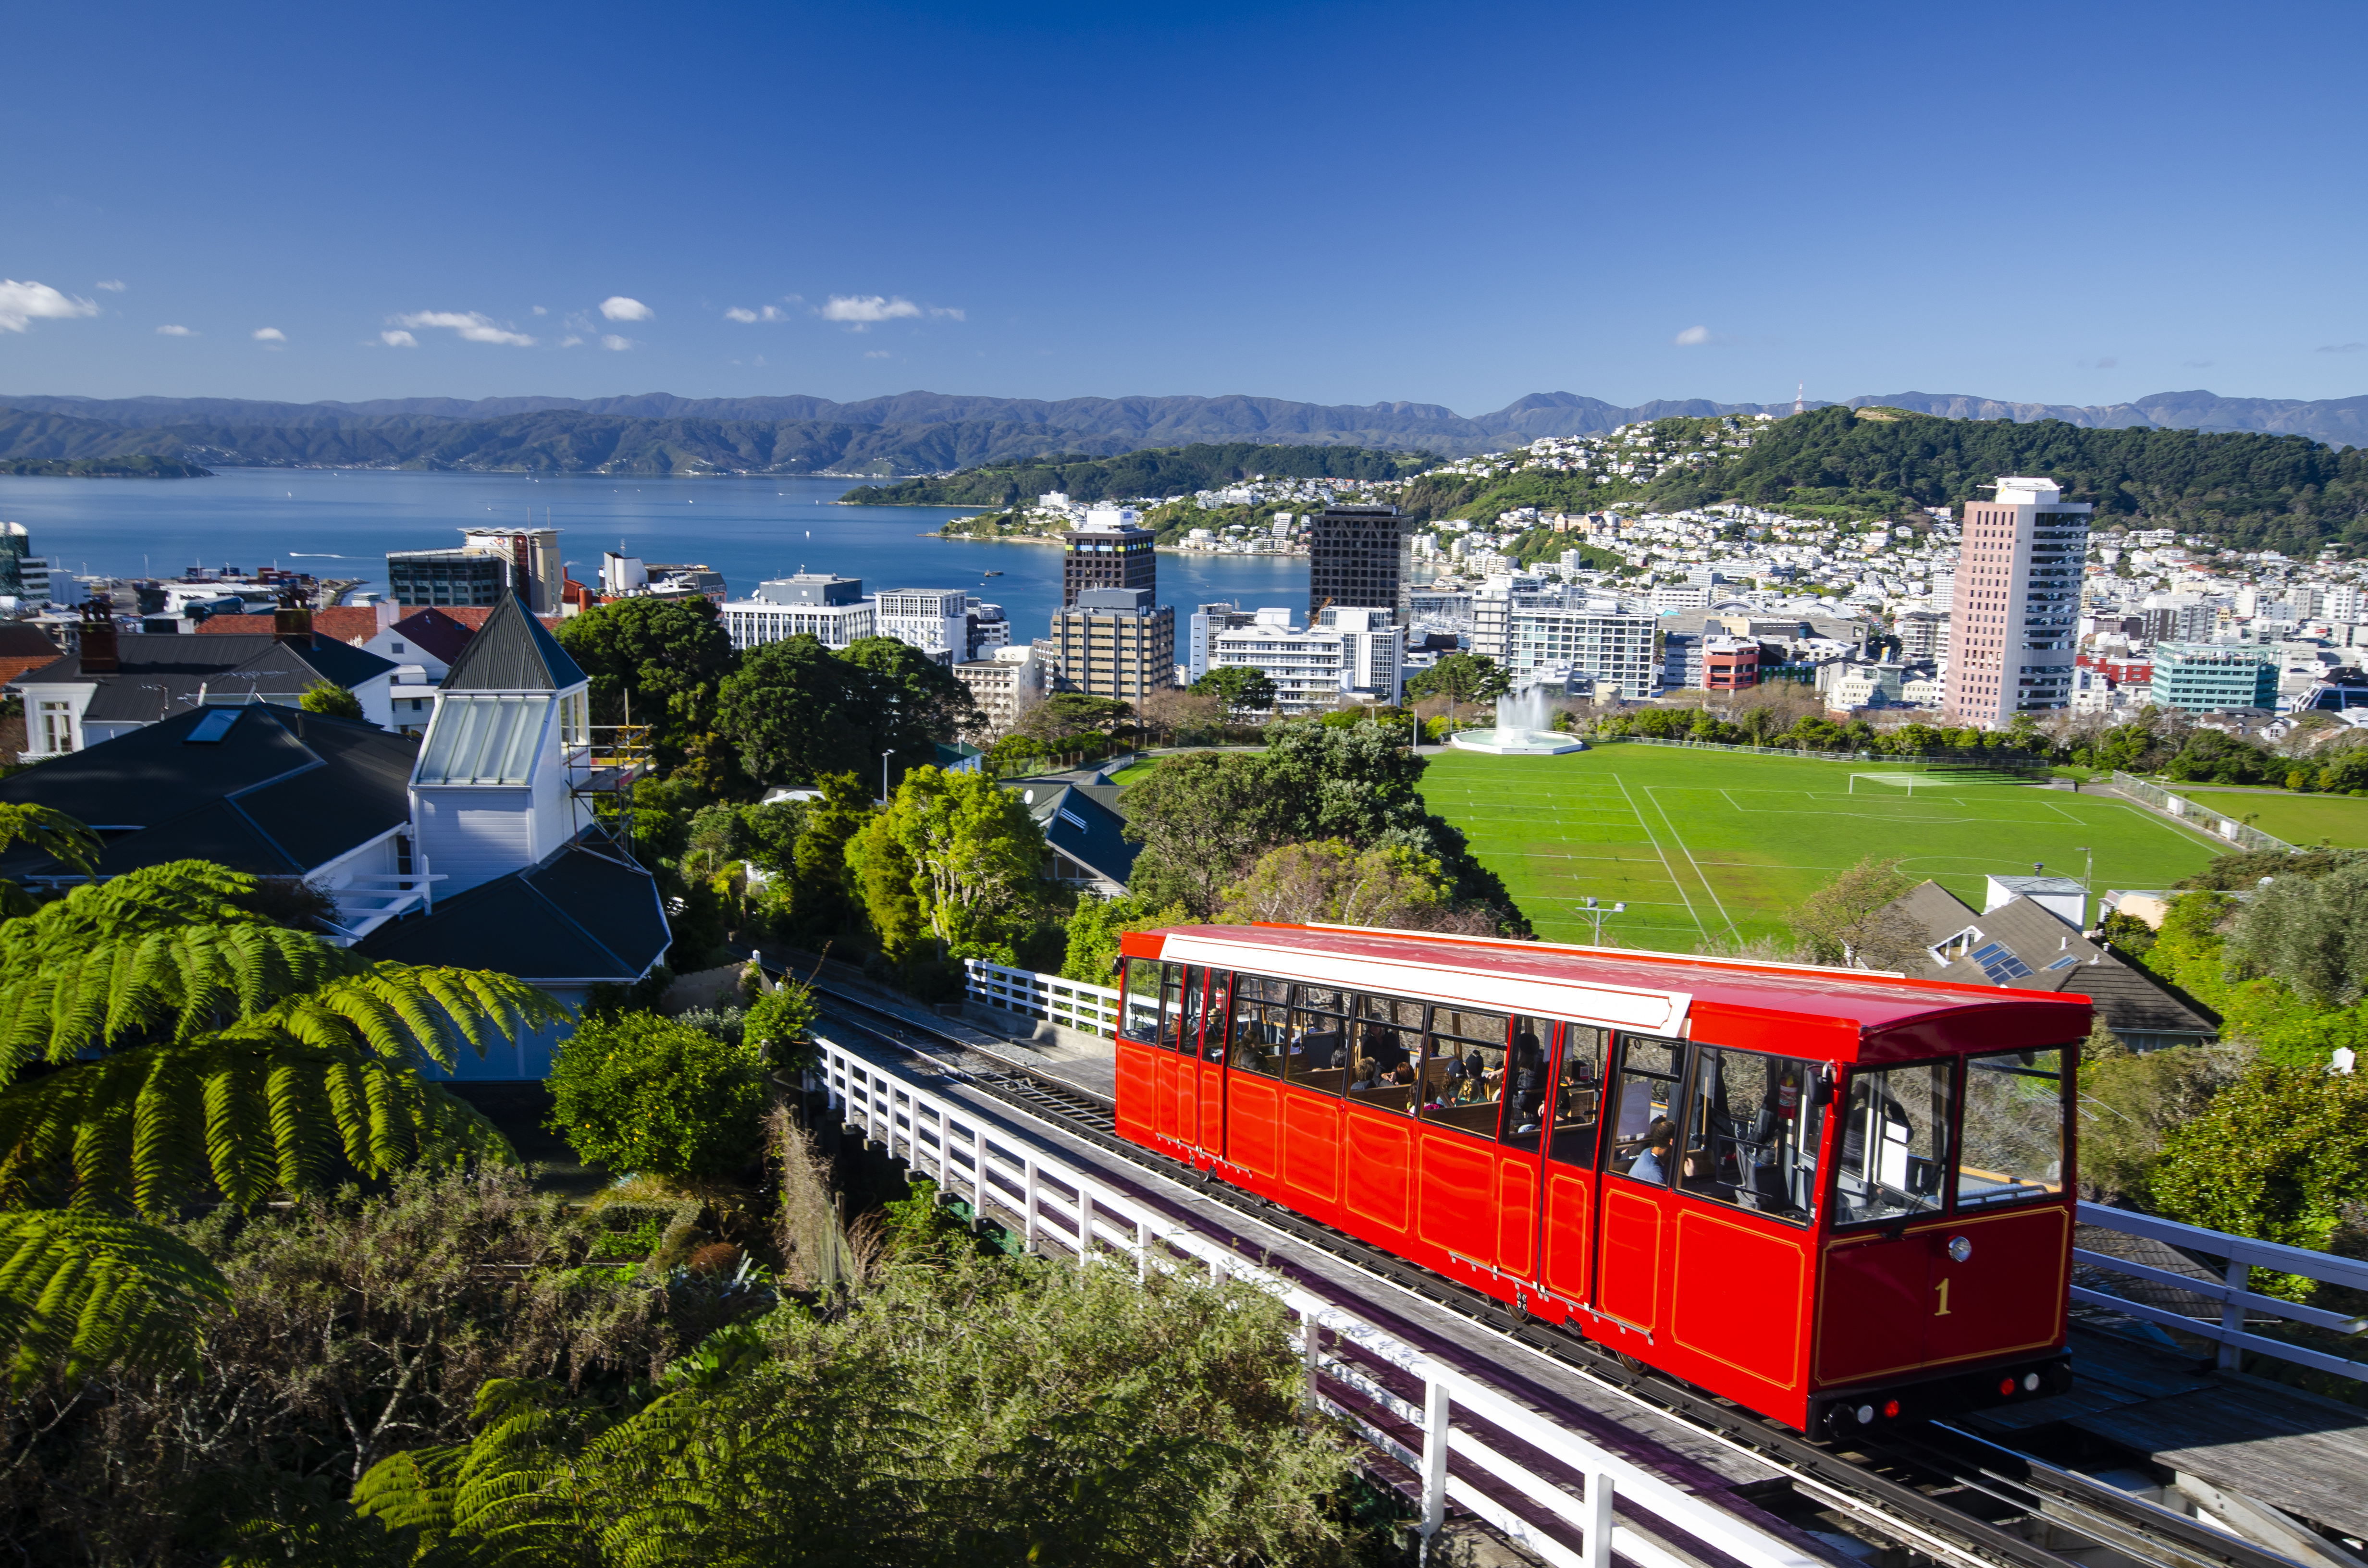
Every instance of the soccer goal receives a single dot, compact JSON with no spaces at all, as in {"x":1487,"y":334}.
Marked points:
{"x":1907,"y":781}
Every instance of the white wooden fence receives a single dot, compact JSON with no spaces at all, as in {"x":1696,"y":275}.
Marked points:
{"x":1072,"y":1003}
{"x":1549,"y":1489}
{"x":2197,"y":815}
{"x":2232,"y":1290}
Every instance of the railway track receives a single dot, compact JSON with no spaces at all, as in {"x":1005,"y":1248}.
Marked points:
{"x":1936,"y":1491}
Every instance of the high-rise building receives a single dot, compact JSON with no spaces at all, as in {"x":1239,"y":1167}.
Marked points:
{"x":1358,"y":557}
{"x":831,"y":609}
{"x":1206,"y":622}
{"x":2210,"y":677}
{"x":1115,"y":642}
{"x":1354,"y":653}
{"x":1110,"y":551}
{"x":489,"y":563}
{"x":2012,"y":623}
{"x":935,"y":620}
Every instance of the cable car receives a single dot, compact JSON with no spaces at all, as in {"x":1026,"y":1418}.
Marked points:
{"x":1842,"y":1198}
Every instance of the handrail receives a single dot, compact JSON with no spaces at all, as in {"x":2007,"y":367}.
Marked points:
{"x":2232,"y":1290}
{"x":1072,"y":1003}
{"x":1428,"y":1418}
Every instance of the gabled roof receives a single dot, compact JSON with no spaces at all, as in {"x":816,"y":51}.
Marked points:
{"x":165,"y":673}
{"x":512,"y":651}
{"x":278,"y":793}
{"x":339,"y":623}
{"x":578,"y":916}
{"x":1081,"y":821}
{"x":436,"y":632}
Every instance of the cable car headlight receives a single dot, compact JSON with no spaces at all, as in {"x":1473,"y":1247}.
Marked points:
{"x":1960,"y":1249}
{"x":2030,"y":1382}
{"x":1866,"y":1415}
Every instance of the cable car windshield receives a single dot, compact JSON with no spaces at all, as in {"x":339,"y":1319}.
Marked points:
{"x":2014,"y":1128}
{"x":1893,"y":1143}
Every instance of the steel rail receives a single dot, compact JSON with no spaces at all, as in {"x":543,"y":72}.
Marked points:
{"x":1901,"y":1509}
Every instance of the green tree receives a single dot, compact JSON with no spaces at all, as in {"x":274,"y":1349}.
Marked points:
{"x":1201,"y":818}
{"x":796,"y":711}
{"x":638,"y":1092}
{"x":912,"y":704}
{"x":333,"y":700}
{"x":161,"y":1040}
{"x":2311,"y":932}
{"x":1462,"y":679}
{"x":967,"y":854}
{"x":823,"y":901}
{"x":2276,"y":1155}
{"x":1096,"y":926}
{"x":1245,"y":690}
{"x":1333,"y":880}
{"x":666,"y":658}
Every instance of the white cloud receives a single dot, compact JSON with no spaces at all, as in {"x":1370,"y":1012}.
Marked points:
{"x":864,"y":309}
{"x":398,"y":340}
{"x":1691,"y":338}
{"x":541,"y":311}
{"x":877,"y":354}
{"x":763,"y":312}
{"x":948,"y":310}
{"x":570,"y":341}
{"x":175,"y":332}
{"x":610,"y":340}
{"x":473,"y":326}
{"x":738,"y":313}
{"x":22,"y":303}
{"x":2322,"y":349}
{"x":112,"y":285}
{"x":270,"y":335}
{"x":616,"y":307}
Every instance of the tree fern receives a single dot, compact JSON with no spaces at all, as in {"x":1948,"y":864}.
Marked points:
{"x":82,"y":1290}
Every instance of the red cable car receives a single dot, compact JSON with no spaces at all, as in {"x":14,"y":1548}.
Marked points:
{"x":1840,"y":1198}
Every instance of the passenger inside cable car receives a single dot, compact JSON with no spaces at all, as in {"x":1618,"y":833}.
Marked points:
{"x":1893,"y":1142}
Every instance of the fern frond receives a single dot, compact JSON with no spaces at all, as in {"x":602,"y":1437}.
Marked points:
{"x":80,"y":1292}
{"x":52,"y":832}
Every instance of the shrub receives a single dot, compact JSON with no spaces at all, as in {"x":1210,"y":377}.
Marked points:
{"x":636,"y":1092}
{"x":780,"y":1025}
{"x":2276,"y":1155}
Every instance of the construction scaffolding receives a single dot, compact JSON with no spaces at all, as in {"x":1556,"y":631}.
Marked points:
{"x":601,"y":773}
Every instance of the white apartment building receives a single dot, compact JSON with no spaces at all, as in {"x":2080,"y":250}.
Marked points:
{"x":2012,"y":620}
{"x":935,"y":620}
{"x":831,"y":609}
{"x":1356,"y":653}
{"x":1004,"y":685}
{"x":1531,"y":629}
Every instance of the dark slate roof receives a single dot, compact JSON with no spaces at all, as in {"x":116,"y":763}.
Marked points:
{"x":435,"y":633}
{"x":281,"y":792}
{"x":580,"y":914}
{"x":1081,"y":821}
{"x":2132,"y":998}
{"x":163,"y":674}
{"x":22,"y":640}
{"x":512,"y":651}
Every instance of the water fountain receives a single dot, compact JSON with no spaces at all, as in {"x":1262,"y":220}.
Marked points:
{"x":1524,"y":728}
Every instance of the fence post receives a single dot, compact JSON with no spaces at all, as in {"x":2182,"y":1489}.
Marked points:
{"x":2239,"y":1278}
{"x":1311,"y":1352}
{"x":1084,"y":1224}
{"x":1436,"y":1411}
{"x":1598,"y":1542}
{"x":977,"y":1171}
{"x":1141,"y":1250}
{"x":1028,"y":1205}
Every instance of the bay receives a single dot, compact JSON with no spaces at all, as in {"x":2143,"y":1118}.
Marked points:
{"x":341,"y":523}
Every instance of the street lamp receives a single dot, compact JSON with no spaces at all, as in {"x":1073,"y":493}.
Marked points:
{"x":1596,"y":912}
{"x":2087,"y":878}
{"x":883,"y":773}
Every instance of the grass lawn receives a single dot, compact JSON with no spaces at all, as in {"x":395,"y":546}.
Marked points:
{"x":2300,"y":819}
{"x":1699,"y":844}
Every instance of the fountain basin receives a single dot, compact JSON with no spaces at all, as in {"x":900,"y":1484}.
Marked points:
{"x":1502,"y":741}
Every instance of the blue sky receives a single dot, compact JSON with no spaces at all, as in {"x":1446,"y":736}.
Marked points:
{"x":1346,"y":203}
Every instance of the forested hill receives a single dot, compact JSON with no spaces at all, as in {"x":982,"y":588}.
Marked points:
{"x":2253,"y":492}
{"x":1168,"y":471}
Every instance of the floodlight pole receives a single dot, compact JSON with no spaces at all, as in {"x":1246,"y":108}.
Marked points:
{"x":2087,"y":879}
{"x":1596,"y":912}
{"x":883,"y":773}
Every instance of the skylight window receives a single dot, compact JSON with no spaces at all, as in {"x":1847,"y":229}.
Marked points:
{"x":482,"y":740}
{"x":209,"y":730}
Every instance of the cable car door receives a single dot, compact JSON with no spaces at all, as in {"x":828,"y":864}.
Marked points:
{"x":1640,"y":1160}
{"x":1520,"y":1142}
{"x":1567,"y":1207}
{"x":1178,"y":1124}
{"x":1215,"y":1031}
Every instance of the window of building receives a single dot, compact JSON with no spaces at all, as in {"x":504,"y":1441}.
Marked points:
{"x":482,"y":740}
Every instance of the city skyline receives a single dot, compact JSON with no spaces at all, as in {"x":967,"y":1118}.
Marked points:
{"x":1061,"y":203}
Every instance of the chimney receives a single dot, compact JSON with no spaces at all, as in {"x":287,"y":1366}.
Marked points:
{"x":292,"y":623}
{"x":100,"y":652}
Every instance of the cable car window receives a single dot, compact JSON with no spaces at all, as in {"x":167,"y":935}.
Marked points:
{"x":1187,"y":1016}
{"x":1525,"y":1085}
{"x":1752,"y":1131}
{"x":1644,"y":1110}
{"x":1465,"y":1070}
{"x":1214,"y":1031}
{"x":1139,"y":1014}
{"x":1261,"y":1025}
{"x":1893,"y":1142}
{"x":1578,"y":1096}
{"x":1318,"y":1054}
{"x":1385,"y":1051}
{"x":2014,"y":1128}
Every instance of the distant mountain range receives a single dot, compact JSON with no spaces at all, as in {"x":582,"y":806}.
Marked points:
{"x":934,"y":432}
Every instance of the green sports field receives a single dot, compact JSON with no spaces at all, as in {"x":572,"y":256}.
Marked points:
{"x":1702,"y":844}
{"x":2300,"y":819}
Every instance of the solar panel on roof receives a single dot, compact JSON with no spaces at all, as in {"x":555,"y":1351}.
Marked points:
{"x":209,"y":730}
{"x":1998,"y":961}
